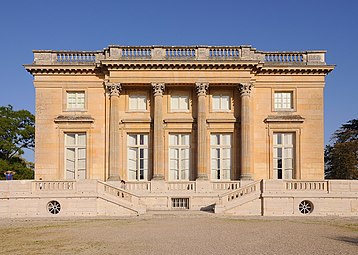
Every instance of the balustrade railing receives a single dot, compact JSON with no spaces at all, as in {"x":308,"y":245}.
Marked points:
{"x":306,"y":185}
{"x":117,"y":192}
{"x":224,"y":53}
{"x":241,"y":192}
{"x":232,"y":185}
{"x":285,"y":57}
{"x":133,"y":53}
{"x":180,"y":53}
{"x":191,"y":186}
{"x":71,"y":57}
{"x":138,"y":186}
{"x":54,"y":185}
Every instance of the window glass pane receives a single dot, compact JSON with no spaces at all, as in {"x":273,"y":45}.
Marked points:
{"x":70,"y":139}
{"x":216,"y":102}
{"x":142,"y":103}
{"x":81,"y":139}
{"x":184,"y":139}
{"x":174,"y":102}
{"x":184,"y":103}
{"x":225,"y":103}
{"x":132,"y":139}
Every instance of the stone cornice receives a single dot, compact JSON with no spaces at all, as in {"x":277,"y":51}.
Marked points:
{"x":288,"y":70}
{"x":73,"y":118}
{"x":61,"y":69}
{"x":284,"y":118}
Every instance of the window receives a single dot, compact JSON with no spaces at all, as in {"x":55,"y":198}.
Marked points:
{"x":283,"y":101}
{"x":179,"y":103}
{"x":179,"y":156}
{"x":137,"y":102}
{"x":283,"y":155}
{"x":220,"y":156}
{"x":76,"y":100}
{"x":138,"y":157}
{"x":75,"y":156}
{"x":221,"y":103}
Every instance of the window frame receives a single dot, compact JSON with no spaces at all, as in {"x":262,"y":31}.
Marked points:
{"x":76,"y":146}
{"x":221,"y":94}
{"x":282,"y":91}
{"x":221,"y":148}
{"x":138,"y":147}
{"x":180,"y":147}
{"x":283,"y":147}
{"x":137,"y":95}
{"x":67,"y":92}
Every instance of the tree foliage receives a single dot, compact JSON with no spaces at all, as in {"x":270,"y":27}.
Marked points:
{"x":17,"y":132}
{"x":341,"y":156}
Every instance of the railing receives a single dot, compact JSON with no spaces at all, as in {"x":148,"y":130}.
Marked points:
{"x":70,"y":57}
{"x":117,"y":192}
{"x":285,"y":57}
{"x":138,"y":186}
{"x":178,"y":53}
{"x":136,"y":53}
{"x":241,"y":192}
{"x":233,"y":185}
{"x":306,"y":185}
{"x":224,"y":53}
{"x":54,"y":185}
{"x":191,"y":186}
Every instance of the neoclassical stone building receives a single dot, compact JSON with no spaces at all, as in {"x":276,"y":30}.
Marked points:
{"x":229,"y":129}
{"x":179,"y":114}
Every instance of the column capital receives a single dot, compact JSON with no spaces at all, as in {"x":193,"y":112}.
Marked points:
{"x":201,"y":88}
{"x":158,"y":89}
{"x":245,"y":88}
{"x":113,"y":88}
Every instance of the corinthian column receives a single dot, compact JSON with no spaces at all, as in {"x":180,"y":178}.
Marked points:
{"x":158,"y":148}
{"x":114,"y":90}
{"x":246,"y":131}
{"x":201,"y":90}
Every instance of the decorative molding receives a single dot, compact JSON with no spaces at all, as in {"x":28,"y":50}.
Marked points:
{"x":73,"y":118}
{"x":284,"y":118}
{"x":114,"y":89}
{"x":245,"y":88}
{"x":201,"y":88}
{"x":158,"y":89}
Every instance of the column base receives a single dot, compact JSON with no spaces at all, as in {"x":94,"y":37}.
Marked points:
{"x":114,"y":178}
{"x":158,"y":177}
{"x":246,"y":177}
{"x":202,"y":177}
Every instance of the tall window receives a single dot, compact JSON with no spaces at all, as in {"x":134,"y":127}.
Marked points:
{"x":75,"y":155}
{"x":283,"y":101}
{"x":137,"y":102}
{"x":179,"y":156}
{"x":221,"y":103}
{"x":76,"y":100}
{"x":283,"y":157}
{"x":179,"y":103}
{"x":220,"y":156}
{"x":138,"y":157}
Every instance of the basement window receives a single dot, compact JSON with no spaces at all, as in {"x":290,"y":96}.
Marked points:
{"x":180,"y":203}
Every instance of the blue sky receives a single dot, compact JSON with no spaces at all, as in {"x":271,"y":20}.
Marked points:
{"x":266,"y":25}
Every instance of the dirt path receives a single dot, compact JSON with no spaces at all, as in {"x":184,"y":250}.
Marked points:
{"x":180,"y":234}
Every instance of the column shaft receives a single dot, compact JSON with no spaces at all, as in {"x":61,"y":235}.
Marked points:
{"x":246,"y":132}
{"x":202,"y":132}
{"x":158,"y":144}
{"x":114,"y":132}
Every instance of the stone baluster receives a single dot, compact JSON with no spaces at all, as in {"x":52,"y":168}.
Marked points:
{"x":158,"y":136}
{"x":201,"y":90}
{"x":114,"y":90}
{"x":245,"y":90}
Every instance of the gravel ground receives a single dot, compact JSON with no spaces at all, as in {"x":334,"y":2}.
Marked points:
{"x":180,"y":233}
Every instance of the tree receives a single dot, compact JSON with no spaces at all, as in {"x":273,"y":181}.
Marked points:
{"x":341,"y":156}
{"x":17,"y":132}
